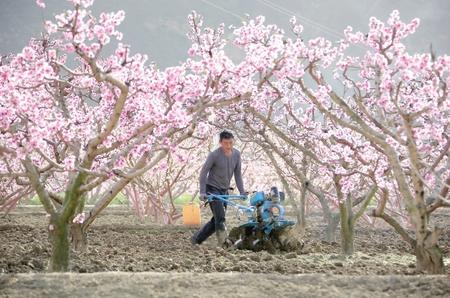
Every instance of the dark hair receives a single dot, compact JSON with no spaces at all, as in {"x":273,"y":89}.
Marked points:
{"x":225,"y":135}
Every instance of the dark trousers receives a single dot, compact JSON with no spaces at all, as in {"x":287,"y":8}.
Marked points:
{"x":217,"y":222}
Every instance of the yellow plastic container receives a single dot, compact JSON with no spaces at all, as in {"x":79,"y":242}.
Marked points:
{"x":191,"y":215}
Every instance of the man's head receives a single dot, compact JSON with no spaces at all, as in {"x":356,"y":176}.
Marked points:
{"x":226,"y":140}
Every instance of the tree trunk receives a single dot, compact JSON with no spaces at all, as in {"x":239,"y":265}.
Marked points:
{"x":429,"y":260}
{"x":347,"y":226}
{"x":330,"y":230}
{"x":59,"y":236}
{"x":302,"y":217}
{"x":79,"y":238}
{"x":347,"y":240}
{"x":59,"y":226}
{"x":329,"y":217}
{"x":429,"y":257}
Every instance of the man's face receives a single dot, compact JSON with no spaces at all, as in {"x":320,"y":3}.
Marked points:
{"x":227,"y":144}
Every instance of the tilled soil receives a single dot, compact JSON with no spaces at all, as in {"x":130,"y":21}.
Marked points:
{"x":119,"y":242}
{"x":152,"y":284}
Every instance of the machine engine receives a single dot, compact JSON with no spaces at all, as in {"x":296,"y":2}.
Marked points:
{"x":266,"y":226}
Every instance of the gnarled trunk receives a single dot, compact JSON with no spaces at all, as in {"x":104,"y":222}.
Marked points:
{"x":348,"y":219}
{"x":347,"y":227}
{"x":429,"y":257}
{"x":332,"y":220}
{"x":59,"y":237}
{"x":79,"y":237}
{"x":301,"y":211}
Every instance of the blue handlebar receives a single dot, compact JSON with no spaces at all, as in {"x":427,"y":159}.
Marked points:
{"x":229,"y":200}
{"x":226,"y":198}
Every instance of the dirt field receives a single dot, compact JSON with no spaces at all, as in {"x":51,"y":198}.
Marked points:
{"x":152,"y":284}
{"x":119,"y":242}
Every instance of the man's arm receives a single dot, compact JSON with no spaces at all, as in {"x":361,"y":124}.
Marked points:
{"x":204,"y":172}
{"x":238,"y":176}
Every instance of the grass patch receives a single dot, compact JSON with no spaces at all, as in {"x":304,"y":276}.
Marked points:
{"x":185,"y":199}
{"x":119,"y":199}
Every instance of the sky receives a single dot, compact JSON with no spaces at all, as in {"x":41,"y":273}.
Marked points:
{"x":158,"y":27}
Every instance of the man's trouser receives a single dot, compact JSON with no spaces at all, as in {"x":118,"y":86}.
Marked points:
{"x":217,"y":222}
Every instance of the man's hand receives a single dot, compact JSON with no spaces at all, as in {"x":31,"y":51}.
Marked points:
{"x":203,"y":197}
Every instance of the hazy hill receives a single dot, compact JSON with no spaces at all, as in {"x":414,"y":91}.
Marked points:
{"x":158,"y":27}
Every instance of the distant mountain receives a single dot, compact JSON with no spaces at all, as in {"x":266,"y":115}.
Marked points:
{"x":158,"y":27}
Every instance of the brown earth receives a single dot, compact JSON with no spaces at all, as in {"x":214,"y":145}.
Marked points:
{"x":119,"y":242}
{"x":174,"y":284}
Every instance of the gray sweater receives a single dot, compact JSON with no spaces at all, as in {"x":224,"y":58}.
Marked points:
{"x":218,"y":170}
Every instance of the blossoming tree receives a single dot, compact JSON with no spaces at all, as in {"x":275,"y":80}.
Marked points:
{"x":71,"y":117}
{"x":153,"y":194}
{"x":393,"y":103}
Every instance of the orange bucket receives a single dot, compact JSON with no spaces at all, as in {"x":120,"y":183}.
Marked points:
{"x":191,"y":215}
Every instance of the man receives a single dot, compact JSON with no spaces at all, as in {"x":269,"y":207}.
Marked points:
{"x":215,"y":178}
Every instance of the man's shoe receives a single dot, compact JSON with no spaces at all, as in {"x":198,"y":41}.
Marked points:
{"x":221,"y":237}
{"x":193,"y":240}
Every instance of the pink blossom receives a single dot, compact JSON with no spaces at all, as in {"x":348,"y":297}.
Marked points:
{"x":51,"y":54}
{"x":50,"y":27}
{"x":28,"y":53}
{"x":40,"y":3}
{"x":79,"y":218}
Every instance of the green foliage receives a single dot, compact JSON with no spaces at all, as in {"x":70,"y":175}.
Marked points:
{"x":185,"y":198}
{"x":119,"y":199}
{"x":33,"y":201}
